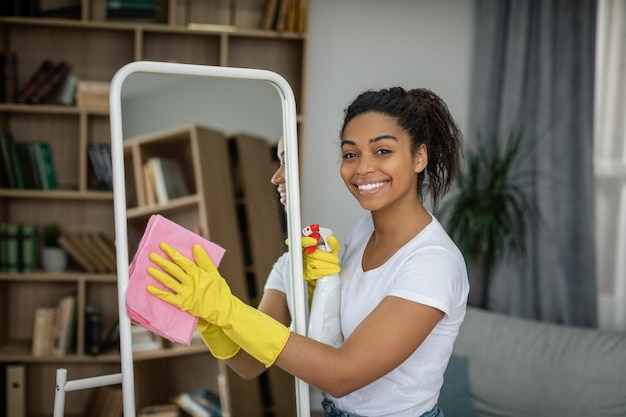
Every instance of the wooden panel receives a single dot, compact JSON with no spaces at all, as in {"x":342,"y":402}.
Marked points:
{"x":281,"y":55}
{"x":196,"y":48}
{"x":92,"y":54}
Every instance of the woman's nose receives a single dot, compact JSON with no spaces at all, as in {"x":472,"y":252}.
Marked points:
{"x":365,"y":165}
{"x":279,"y":176}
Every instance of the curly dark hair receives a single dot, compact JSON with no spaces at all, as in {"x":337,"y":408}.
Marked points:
{"x":427,"y":120}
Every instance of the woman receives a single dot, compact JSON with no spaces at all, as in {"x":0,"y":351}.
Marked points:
{"x":404,"y":282}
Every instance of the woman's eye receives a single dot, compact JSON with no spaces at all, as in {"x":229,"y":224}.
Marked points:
{"x":383,"y":151}
{"x":349,"y":155}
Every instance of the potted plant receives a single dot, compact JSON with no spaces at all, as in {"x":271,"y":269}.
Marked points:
{"x":53,"y":257}
{"x":490,"y":208}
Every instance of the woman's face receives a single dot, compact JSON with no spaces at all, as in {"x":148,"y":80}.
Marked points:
{"x":378,"y":166}
{"x":278,"y":179}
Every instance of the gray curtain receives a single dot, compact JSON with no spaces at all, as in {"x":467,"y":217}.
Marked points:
{"x":534,"y":68}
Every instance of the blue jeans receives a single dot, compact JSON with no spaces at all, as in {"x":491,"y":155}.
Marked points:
{"x":330,"y":410}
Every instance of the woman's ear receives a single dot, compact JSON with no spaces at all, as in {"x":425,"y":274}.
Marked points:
{"x":420,"y":158}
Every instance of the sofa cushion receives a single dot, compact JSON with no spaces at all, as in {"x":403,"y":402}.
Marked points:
{"x":455,"y":398}
{"x":523,"y":368}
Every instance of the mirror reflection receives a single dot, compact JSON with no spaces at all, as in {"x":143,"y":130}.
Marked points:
{"x":201,"y":151}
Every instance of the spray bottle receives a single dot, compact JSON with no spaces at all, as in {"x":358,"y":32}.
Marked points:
{"x":324,"y":319}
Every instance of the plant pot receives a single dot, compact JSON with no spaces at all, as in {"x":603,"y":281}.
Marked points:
{"x":53,"y":259}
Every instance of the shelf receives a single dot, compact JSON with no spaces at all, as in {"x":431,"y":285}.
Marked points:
{"x":59,"y":277}
{"x":56,"y":194}
{"x":52,"y":109}
{"x":20,"y":352}
{"x":220,"y":33}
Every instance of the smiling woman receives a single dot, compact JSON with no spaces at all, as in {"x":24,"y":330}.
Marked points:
{"x":404,"y":282}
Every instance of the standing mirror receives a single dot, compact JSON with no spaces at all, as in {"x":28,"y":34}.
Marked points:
{"x":212,"y":128}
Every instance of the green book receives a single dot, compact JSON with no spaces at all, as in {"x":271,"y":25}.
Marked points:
{"x":12,"y":248}
{"x":45,"y":166}
{"x":4,"y":267}
{"x":28,"y":242}
{"x":11,"y":161}
{"x":27,"y":162}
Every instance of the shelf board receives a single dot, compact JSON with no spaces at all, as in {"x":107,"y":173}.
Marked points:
{"x":53,"y":109}
{"x":70,"y":276}
{"x":198,"y":28}
{"x":58,"y":194}
{"x":172,"y":206}
{"x":20,"y":352}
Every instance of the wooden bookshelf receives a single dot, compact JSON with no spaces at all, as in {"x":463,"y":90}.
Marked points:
{"x":225,"y":33}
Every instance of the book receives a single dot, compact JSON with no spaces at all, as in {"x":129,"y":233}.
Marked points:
{"x":159,"y":410}
{"x":97,"y":402}
{"x":66,"y":333}
{"x":303,"y":16}
{"x":29,"y":258}
{"x":8,"y":171}
{"x":9,"y":77}
{"x":67,"y":92}
{"x":52,"y":82}
{"x":44,"y":331}
{"x":189,"y":404}
{"x":292,"y":13}
{"x":106,"y":249}
{"x":58,"y":8}
{"x":15,"y":390}
{"x":76,"y":254}
{"x":93,"y":94}
{"x":148,"y":184}
{"x":11,"y":160}
{"x":99,"y":155}
{"x":44,"y":165}
{"x":281,"y":17}
{"x":92,"y":330}
{"x":169,"y":179}
{"x":144,"y":340}
{"x":36,"y":80}
{"x":27,"y":162}
{"x":269,"y":14}
{"x":112,"y":339}
{"x":3,"y":248}
{"x":12,"y":248}
{"x":105,"y":402}
{"x":89,"y":249}
{"x":208,"y":399}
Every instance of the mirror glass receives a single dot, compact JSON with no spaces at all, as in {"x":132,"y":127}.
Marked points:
{"x":220,"y":136}
{"x":153,"y":102}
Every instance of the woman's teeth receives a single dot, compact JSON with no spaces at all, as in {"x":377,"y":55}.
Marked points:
{"x":368,"y":187}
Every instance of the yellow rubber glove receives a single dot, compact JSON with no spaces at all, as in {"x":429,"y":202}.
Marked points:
{"x":206,"y":295}
{"x":319,"y":263}
{"x":220,"y":345}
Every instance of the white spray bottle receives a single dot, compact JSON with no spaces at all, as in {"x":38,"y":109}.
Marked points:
{"x":324,"y":317}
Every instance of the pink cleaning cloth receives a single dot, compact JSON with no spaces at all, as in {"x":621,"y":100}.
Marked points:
{"x":144,"y":308}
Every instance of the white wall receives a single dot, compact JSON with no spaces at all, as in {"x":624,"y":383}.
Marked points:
{"x":360,"y":44}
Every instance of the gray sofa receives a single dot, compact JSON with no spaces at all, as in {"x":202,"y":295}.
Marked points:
{"x":510,"y":367}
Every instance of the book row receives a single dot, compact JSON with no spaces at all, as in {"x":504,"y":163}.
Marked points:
{"x":54,"y":329}
{"x":52,"y":82}
{"x":19,"y":248}
{"x":40,"y":8}
{"x":285,"y":15}
{"x":26,"y":164}
{"x":105,"y":402}
{"x":30,"y":165}
{"x":164,"y":180}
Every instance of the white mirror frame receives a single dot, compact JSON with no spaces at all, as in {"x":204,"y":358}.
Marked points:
{"x":119,"y":193}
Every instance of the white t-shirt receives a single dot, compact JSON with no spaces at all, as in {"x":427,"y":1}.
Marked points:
{"x":429,"y":270}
